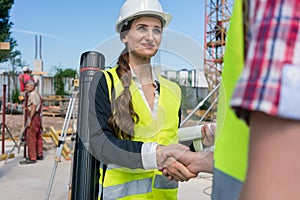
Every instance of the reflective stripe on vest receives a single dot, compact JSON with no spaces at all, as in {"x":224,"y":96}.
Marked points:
{"x":133,"y":187}
{"x":145,"y":184}
{"x":161,"y":182}
{"x":127,"y":189}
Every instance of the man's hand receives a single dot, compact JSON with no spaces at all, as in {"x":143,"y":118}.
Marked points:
{"x":173,"y":150}
{"x":195,"y":162}
{"x":166,"y":157}
{"x":175,"y":170}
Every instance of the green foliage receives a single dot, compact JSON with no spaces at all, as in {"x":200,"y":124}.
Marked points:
{"x":58,"y":82}
{"x":58,"y":79}
{"x":205,"y":106}
{"x":5,"y":31}
{"x":69,"y":73}
{"x":15,"y":95}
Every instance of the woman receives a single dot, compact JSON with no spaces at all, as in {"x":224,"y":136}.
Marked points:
{"x":136,"y":111}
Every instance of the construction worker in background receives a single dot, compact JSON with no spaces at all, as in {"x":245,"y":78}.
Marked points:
{"x":23,"y":78}
{"x":33,"y":133}
{"x":133,"y":111}
{"x":220,"y":31}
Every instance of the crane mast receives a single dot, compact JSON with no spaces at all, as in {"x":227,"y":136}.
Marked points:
{"x":217,"y":17}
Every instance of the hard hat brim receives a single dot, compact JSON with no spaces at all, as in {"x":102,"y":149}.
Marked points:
{"x":165,"y":17}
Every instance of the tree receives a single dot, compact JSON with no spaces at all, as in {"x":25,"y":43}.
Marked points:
{"x":11,"y":55}
{"x":59,"y":79}
{"x":5,"y":31}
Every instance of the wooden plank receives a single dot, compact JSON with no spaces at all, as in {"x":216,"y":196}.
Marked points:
{"x":69,"y":131}
{"x":53,"y":114}
{"x":199,"y":113}
{"x":66,"y":150}
{"x":39,"y":73}
{"x":4,"y":156}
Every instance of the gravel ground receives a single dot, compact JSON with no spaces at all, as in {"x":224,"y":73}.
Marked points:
{"x":15,"y":123}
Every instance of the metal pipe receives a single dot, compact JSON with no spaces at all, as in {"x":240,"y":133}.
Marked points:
{"x":210,"y":107}
{"x":3,"y":117}
{"x":85,"y":166}
{"x":36,"y":46}
{"x":40,"y":49}
{"x":199,"y":105}
{"x":25,"y":122}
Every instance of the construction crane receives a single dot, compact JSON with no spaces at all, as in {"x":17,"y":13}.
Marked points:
{"x":217,"y":17}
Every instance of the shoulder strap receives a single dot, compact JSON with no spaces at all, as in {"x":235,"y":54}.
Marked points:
{"x":112,"y":86}
{"x":111,"y":89}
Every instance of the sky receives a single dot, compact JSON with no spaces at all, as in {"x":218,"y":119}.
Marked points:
{"x":72,"y":27}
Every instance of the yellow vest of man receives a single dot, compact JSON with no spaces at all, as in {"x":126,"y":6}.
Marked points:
{"x":231,"y":144}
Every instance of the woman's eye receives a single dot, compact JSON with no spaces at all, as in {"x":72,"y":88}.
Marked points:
{"x":157,"y":31}
{"x":141,"y":28}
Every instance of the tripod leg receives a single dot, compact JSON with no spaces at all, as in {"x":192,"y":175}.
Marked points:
{"x":61,"y":144}
{"x":21,"y":138}
{"x":15,"y":143}
{"x":18,"y":144}
{"x":10,"y":135}
{"x":9,"y":153}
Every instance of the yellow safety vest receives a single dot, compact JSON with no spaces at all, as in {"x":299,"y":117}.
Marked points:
{"x":231,"y":143}
{"x":124,"y":183}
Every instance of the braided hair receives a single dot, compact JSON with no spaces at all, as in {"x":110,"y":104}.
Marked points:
{"x":124,"y":117}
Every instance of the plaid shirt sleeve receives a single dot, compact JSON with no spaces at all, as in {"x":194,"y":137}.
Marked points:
{"x":273,"y":40}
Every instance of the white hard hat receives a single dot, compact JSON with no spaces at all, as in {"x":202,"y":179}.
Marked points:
{"x":135,"y":8}
{"x":26,"y":69}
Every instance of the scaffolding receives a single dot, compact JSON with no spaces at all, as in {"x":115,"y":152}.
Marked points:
{"x":217,"y":17}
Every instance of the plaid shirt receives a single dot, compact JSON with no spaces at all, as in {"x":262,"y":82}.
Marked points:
{"x":273,"y":43}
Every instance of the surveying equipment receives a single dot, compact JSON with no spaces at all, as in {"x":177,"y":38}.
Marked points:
{"x":200,"y":104}
{"x":85,"y":166}
{"x":188,"y":135}
{"x":61,"y":143}
{"x":18,"y":143}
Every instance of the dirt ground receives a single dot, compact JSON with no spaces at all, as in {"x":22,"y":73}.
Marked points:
{"x":15,"y":123}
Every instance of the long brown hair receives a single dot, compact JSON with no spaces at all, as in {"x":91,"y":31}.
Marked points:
{"x":124,"y":117}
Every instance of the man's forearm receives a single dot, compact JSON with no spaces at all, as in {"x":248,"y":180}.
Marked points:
{"x":32,"y":112}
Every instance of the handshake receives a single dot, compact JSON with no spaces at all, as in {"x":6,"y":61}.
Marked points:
{"x":178,"y":163}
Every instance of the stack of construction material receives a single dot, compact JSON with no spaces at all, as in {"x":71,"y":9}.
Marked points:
{"x":55,"y":105}
{"x":55,"y":136}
